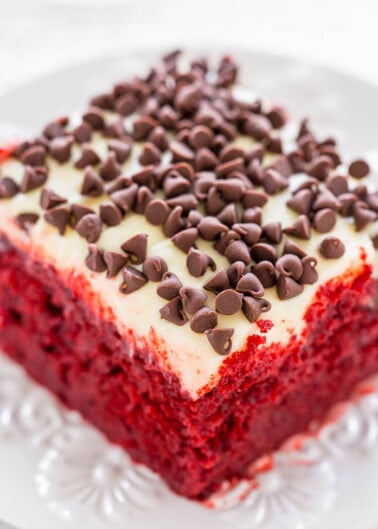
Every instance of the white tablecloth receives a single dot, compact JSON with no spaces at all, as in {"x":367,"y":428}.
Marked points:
{"x":39,"y":35}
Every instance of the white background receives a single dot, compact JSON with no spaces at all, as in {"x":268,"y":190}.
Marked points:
{"x":37,"y":36}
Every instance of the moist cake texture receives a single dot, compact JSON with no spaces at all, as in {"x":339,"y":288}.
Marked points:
{"x":189,"y":269}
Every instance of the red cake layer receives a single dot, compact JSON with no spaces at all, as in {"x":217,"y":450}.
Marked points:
{"x":47,"y":324}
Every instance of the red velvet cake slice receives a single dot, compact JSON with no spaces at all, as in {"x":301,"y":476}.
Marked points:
{"x":189,"y":270}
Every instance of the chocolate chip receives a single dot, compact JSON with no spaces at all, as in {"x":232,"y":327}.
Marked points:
{"x":287,"y":288}
{"x":214,"y":203}
{"x":218,"y":282}
{"x":273,"y":232}
{"x":55,"y":129}
{"x":103,"y":101}
{"x":273,"y":182}
{"x":253,"y":198}
{"x":290,"y":265}
{"x":296,"y":160}
{"x":78,"y":212}
{"x":184,"y":240}
{"x":200,"y":136}
{"x":332,"y":248}
{"x":168,"y":117}
{"x":95,"y":259}
{"x":136,"y":248}
{"x":320,"y":168}
{"x":58,"y":217}
{"x":60,"y":148}
{"x":263,"y":252}
{"x":337,"y":184}
{"x":25,"y":220}
{"x":325,"y":199}
{"x":301,"y":201}
{"x":325,"y":220}
{"x":252,"y":215}
{"x":291,"y":247}
{"x":332,"y":153}
{"x":220,"y":340}
{"x":88,"y":157}
{"x":110,"y":169}
{"x":154,"y":268}
{"x":266,"y":273}
{"x":169,"y":286}
{"x":309,"y":275}
{"x":250,"y":284}
{"x":8,"y":187}
{"x":150,"y":154}
{"x":197,"y":262}
{"x":203,"y":320}
{"x":188,"y":98}
{"x":372,"y":201}
{"x":34,"y":156}
{"x":205,"y":159}
{"x":49,"y":199}
{"x":257,"y":126}
{"x":362,"y":215}
{"x":361,"y":192}
{"x":193,"y":299}
{"x":181,"y":152}
{"x":114,"y":262}
{"x":126,"y":104}
{"x":95,"y":117}
{"x":175,"y":184}
{"x":92,"y":184}
{"x":143,"y":198}
{"x":174,"y":222}
{"x":282,"y":165}
{"x":228,"y":215}
{"x":157,"y":212}
{"x":110,"y":214}
{"x":173,"y":312}
{"x":236,"y":164}
{"x":228,"y":302}
{"x":187,"y":201}
{"x":231,"y":190}
{"x":237,"y":251}
{"x":82,"y":133}
{"x":346,"y":203}
{"x":359,"y":169}
{"x":210,"y":228}
{"x":234,"y":272}
{"x":33,"y":178}
{"x":249,"y":232}
{"x":142,"y":127}
{"x":194,"y":218}
{"x":253,"y":307}
{"x":89,"y":227}
{"x":122,"y":149}
{"x":133,"y":280}
{"x":277,"y":116}
{"x":125,"y":198}
{"x":300,"y":229}
{"x":158,"y":137}
{"x":375,"y":241}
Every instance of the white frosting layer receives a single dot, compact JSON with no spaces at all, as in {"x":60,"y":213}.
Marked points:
{"x":187,"y":354}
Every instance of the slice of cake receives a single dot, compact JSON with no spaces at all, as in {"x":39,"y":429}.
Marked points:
{"x":189,"y":270}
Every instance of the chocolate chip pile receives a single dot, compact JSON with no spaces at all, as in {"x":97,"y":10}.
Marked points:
{"x":210,"y":189}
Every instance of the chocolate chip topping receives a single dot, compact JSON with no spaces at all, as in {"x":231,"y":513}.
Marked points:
{"x":203,"y":320}
{"x":25,"y":220}
{"x":197,"y":262}
{"x":253,"y":307}
{"x":136,"y":248}
{"x":228,"y":302}
{"x":332,"y":248}
{"x":220,"y":340}
{"x":359,"y":169}
{"x":92,"y":184}
{"x":204,"y":187}
{"x":89,"y":227}
{"x":133,"y":280}
{"x":8,"y":187}
{"x":114,"y":262}
{"x":173,"y":312}
{"x":58,"y":217}
{"x":95,"y":259}
{"x":288,"y":288}
{"x":33,"y":178}
{"x":154,"y":268}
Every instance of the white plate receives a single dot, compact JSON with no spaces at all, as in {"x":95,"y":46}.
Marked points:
{"x":57,"y":472}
